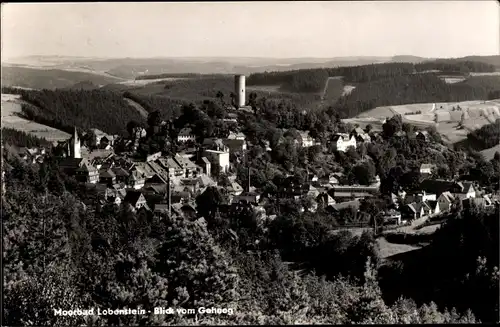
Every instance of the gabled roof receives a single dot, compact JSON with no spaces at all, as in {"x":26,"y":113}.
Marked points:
{"x":87,"y":167}
{"x":205,"y":180}
{"x":107,"y":174}
{"x":71,"y":162}
{"x":448,"y":196}
{"x":438,"y":186}
{"x":133,"y":197}
{"x":432,"y":204}
{"x":184,"y":162}
{"x":186,"y":132}
{"x":119,"y":171}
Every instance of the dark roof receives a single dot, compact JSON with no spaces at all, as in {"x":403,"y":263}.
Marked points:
{"x":107,"y":174}
{"x":186,"y":132}
{"x":132,"y":197}
{"x":437,"y":186}
{"x":119,"y":171}
{"x":161,"y":207}
{"x":71,"y":162}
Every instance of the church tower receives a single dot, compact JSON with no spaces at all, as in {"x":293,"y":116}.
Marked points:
{"x":75,"y":150}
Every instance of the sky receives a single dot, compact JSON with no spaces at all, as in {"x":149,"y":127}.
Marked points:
{"x":245,"y":29}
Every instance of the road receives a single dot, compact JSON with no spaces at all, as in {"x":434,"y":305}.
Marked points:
{"x":138,"y":107}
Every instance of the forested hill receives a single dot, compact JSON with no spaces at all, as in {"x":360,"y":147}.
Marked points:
{"x":64,"y":109}
{"x":312,"y":80}
{"x":418,"y":88}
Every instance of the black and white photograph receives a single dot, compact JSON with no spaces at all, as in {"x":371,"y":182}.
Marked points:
{"x":250,"y":163}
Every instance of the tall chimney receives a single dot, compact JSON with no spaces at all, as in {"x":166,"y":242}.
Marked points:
{"x":239,"y":90}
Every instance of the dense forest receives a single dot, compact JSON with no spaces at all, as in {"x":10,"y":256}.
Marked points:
{"x":64,"y":109}
{"x":488,"y":135}
{"x":60,"y":254}
{"x":22,"y":139}
{"x":310,"y":80}
{"x":168,"y":107}
{"x":454,"y":66}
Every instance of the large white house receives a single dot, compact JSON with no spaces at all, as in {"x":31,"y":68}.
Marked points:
{"x":342,"y":142}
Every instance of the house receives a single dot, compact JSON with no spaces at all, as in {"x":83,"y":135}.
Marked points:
{"x":220,"y":158}
{"x":153,"y":157}
{"x":206,"y":166}
{"x":189,"y":168}
{"x":305,"y":140}
{"x":136,"y":180}
{"x":434,"y":207}
{"x":427,"y":169}
{"x":445,"y":201}
{"x":413,"y":210}
{"x":360,"y":135}
{"x":87,"y":173}
{"x":205,"y":181}
{"x":438,"y":186}
{"x":342,"y":142}
{"x":135,"y":199}
{"x":186,"y":134}
{"x":422,"y":136}
{"x":121,"y":174}
{"x":172,"y":167}
{"x":324,"y":200}
{"x":392,"y":217}
{"x":214,"y":144}
{"x":234,"y":188}
{"x":247,"y":197}
{"x":467,"y":190}
{"x":191,"y":184}
{"x":421,"y":197}
{"x":107,"y":177}
{"x":236,"y":136}
{"x":100,"y":138}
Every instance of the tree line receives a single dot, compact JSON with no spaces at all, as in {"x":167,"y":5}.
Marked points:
{"x":23,"y":139}
{"x":488,"y":135}
{"x":64,"y":109}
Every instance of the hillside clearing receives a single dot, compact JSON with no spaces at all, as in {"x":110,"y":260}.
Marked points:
{"x":11,"y":107}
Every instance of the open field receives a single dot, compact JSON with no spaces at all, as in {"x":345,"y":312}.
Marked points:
{"x":452,"y":80}
{"x":390,"y":249}
{"x":480,"y":113}
{"x":485,"y":74}
{"x":488,"y":154}
{"x":11,"y":105}
{"x":142,"y":82}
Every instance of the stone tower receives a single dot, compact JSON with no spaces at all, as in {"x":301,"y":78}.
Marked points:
{"x":75,"y":150}
{"x":239,"y":90}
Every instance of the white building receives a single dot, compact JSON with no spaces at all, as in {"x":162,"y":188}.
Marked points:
{"x":220,"y":158}
{"x":185,"y":135}
{"x":341,"y":142}
{"x":427,"y":168}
